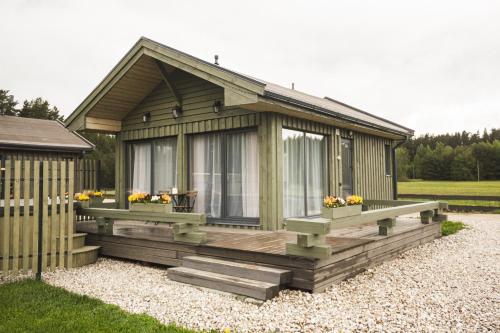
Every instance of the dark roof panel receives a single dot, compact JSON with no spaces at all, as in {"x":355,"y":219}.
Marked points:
{"x":39,"y":134}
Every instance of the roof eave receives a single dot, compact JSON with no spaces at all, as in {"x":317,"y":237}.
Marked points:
{"x":405,"y":133}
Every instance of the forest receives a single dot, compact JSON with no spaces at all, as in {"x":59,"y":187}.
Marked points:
{"x":454,"y":156}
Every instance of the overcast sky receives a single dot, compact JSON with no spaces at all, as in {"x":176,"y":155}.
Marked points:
{"x":433,"y":66}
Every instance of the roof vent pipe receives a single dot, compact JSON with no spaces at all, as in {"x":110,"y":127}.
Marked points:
{"x":293,"y":86}
{"x":216,"y":60}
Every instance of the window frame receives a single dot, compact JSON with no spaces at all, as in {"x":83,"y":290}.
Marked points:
{"x":326,"y":149}
{"x":224,"y":219}
{"x":151,"y":142}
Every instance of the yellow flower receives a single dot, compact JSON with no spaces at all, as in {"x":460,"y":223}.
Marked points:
{"x":166,"y":199}
{"x":226,"y":330}
{"x":354,"y":200}
{"x":331,"y":201}
{"x":83,"y":197}
{"x":137,"y":197}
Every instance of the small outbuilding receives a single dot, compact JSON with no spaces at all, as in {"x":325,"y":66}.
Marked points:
{"x":29,"y":138}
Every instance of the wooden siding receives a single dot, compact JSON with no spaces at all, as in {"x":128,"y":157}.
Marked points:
{"x":198,"y":97}
{"x":370,"y":180}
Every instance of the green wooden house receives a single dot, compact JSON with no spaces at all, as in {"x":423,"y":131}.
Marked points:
{"x":256,"y":152}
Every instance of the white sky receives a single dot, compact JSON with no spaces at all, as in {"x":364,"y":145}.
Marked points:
{"x":433,"y":66}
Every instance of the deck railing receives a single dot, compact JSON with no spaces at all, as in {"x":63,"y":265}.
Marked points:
{"x":312,"y":232}
{"x":185,"y":225}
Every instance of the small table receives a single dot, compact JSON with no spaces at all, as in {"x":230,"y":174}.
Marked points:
{"x":182,"y":201}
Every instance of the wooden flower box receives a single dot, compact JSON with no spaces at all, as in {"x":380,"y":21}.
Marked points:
{"x":151,"y":207}
{"x":96,"y":201}
{"x":84,"y":204}
{"x":339,"y":212}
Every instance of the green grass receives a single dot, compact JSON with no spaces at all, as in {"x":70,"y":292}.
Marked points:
{"x":454,"y":188}
{"x":451,"y":227}
{"x":32,"y":306}
{"x":450,"y":187}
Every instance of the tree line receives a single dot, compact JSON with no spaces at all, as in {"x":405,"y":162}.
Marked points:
{"x":453,"y":156}
{"x":41,"y":109}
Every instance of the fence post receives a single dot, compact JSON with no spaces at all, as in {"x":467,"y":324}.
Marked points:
{"x":40,"y":223}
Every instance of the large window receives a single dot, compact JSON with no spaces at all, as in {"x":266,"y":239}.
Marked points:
{"x":224,"y":169}
{"x":152,"y":165}
{"x":304,"y":173}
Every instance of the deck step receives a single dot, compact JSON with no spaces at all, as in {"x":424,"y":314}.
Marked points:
{"x":237,"y":285}
{"x":248,"y":271}
{"x":85,"y":255}
{"x":78,"y":241}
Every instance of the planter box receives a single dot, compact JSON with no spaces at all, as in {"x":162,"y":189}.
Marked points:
{"x":151,"y":207}
{"x":96,"y":201}
{"x":336,"y":213}
{"x":84,"y":204}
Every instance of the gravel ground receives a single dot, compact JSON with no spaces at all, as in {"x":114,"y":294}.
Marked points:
{"x":451,"y":284}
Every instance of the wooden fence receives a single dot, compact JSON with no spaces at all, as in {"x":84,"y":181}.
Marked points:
{"x":484,"y":208}
{"x":36,"y":215}
{"x":87,"y":174}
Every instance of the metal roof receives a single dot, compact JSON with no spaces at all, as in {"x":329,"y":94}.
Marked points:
{"x":30,"y":133}
{"x":325,"y":105}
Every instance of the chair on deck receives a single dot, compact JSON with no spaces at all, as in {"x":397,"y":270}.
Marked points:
{"x":186,"y":204}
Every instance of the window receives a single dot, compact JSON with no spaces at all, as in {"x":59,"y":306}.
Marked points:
{"x":304,"y":173}
{"x":387,"y":150}
{"x":152,"y":165}
{"x":224,"y":169}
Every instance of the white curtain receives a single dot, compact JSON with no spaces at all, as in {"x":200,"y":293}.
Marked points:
{"x":242,"y":158}
{"x":316,"y":172}
{"x":141,"y":162}
{"x":165,"y":164}
{"x":293,"y":173}
{"x":205,"y":165}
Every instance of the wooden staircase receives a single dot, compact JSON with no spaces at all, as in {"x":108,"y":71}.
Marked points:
{"x":255,"y":281}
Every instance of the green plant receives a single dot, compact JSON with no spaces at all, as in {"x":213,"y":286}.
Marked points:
{"x":451,"y":227}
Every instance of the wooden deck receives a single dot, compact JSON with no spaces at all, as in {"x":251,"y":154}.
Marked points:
{"x":353,"y":249}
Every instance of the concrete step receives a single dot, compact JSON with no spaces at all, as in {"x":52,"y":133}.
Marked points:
{"x":248,"y":271}
{"x":236,"y":285}
{"x":85,"y":255}
{"x":78,"y":241}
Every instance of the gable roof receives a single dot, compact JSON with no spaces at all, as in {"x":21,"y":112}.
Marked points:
{"x":239,"y":89}
{"x":39,"y":134}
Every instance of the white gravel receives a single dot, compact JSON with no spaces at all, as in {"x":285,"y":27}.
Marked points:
{"x":450,"y":285}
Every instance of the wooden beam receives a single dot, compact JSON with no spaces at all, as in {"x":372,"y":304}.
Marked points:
{"x":102,"y":125}
{"x":164,"y":75}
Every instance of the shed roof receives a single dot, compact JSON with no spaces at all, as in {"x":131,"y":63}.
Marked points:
{"x":39,"y":134}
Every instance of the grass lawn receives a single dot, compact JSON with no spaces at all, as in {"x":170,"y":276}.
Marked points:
{"x":450,"y":187}
{"x":453,"y":188}
{"x":32,"y":306}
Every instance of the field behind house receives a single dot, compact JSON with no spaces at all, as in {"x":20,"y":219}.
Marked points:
{"x":468,"y":188}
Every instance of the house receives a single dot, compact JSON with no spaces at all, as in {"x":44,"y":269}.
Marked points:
{"x":256,"y":152}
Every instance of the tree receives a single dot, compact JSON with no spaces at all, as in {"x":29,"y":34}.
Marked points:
{"x":40,"y":109}
{"x":463,"y":166}
{"x":7,"y":104}
{"x":403,"y":163}
{"x":105,"y":153}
